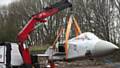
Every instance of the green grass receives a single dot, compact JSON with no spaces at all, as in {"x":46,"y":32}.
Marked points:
{"x":38,"y":48}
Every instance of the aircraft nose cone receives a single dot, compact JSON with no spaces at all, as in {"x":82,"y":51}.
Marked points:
{"x":103,"y":47}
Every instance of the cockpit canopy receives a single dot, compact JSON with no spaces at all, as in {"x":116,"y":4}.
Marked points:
{"x":86,"y":36}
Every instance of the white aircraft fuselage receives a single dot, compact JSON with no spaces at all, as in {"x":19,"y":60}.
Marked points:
{"x":85,"y":45}
{"x":88,"y":44}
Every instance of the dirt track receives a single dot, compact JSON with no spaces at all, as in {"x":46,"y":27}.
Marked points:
{"x":87,"y":64}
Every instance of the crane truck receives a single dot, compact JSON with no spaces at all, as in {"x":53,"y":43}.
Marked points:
{"x":17,"y":54}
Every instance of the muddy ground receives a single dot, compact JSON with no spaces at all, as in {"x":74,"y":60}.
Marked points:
{"x":87,"y":64}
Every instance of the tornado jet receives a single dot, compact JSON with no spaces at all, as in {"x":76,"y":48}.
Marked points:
{"x":86,"y":45}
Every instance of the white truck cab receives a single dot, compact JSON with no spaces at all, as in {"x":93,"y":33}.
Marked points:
{"x":10,"y":55}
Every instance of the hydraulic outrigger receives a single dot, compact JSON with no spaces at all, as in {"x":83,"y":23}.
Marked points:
{"x":29,"y":27}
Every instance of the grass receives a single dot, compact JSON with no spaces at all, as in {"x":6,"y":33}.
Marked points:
{"x":38,"y":48}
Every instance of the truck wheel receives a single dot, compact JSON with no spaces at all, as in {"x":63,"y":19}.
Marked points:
{"x":36,"y":65}
{"x":26,"y":66}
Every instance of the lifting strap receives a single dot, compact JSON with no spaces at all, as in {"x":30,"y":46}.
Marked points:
{"x":58,"y":35}
{"x":76,"y":26}
{"x":67,"y":36}
{"x":71,"y":20}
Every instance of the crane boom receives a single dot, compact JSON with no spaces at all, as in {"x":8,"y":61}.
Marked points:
{"x":29,"y":27}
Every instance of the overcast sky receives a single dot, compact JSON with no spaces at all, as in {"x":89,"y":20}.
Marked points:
{"x":5,"y":2}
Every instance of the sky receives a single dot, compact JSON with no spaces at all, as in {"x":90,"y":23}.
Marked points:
{"x":5,"y":2}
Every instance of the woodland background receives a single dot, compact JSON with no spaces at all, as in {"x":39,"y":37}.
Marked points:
{"x":101,"y":17}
